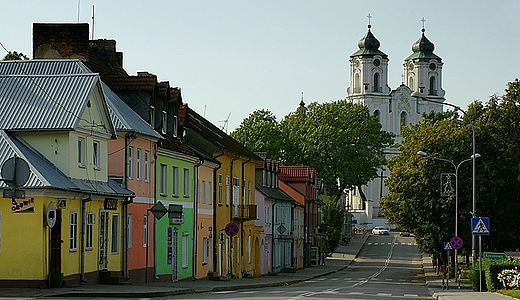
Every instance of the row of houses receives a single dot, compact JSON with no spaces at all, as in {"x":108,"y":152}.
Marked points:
{"x":111,"y":178}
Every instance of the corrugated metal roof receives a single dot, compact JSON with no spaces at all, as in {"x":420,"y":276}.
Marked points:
{"x":43,"y":67}
{"x":54,"y":102}
{"x":123,"y":117}
{"x":44,"y":174}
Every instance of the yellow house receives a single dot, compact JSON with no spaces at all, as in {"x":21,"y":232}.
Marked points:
{"x":60,"y":216}
{"x":236,"y":239}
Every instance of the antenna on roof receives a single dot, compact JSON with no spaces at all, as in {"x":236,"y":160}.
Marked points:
{"x":225,"y":125}
{"x":93,"y":22}
{"x":79,"y":5}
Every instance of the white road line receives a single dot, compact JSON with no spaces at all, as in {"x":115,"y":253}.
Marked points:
{"x":223,"y":292}
{"x":356,"y":293}
{"x":249,"y":292}
{"x":411,"y":295}
{"x":384,"y":294}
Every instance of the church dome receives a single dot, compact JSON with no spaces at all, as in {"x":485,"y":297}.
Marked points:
{"x":369,"y":46}
{"x":423,"y":48}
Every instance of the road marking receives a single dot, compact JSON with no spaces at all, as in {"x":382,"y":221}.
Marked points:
{"x":356,"y":293}
{"x":249,"y":292}
{"x":223,"y":292}
{"x":389,"y":279}
{"x":384,"y":294}
{"x":411,"y":295}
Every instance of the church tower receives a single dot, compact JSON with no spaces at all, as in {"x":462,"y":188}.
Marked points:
{"x":423,"y":70}
{"x":395,"y":108}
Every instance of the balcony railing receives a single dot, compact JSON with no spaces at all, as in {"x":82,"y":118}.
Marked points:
{"x":245,"y":212}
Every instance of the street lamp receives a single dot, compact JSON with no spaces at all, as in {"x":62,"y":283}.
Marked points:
{"x":420,"y":95}
{"x":456,"y":167}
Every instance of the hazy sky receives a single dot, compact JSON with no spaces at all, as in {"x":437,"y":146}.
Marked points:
{"x":231,"y":58}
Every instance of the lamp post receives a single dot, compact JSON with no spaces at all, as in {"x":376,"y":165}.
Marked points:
{"x":456,"y":167}
{"x":420,"y":95}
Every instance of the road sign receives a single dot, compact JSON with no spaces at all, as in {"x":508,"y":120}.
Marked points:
{"x":480,"y":226}
{"x":456,"y":242}
{"x":158,"y":210}
{"x":231,"y":229}
{"x":15,"y":171}
{"x":447,"y":246}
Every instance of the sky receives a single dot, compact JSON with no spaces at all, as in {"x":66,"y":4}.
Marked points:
{"x":233,"y":57}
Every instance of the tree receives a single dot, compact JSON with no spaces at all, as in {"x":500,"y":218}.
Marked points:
{"x":341,"y":140}
{"x":13,"y":55}
{"x":414,"y":202}
{"x":333,"y":214}
{"x":260,"y":132}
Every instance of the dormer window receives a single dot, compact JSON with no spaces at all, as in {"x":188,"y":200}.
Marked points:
{"x":152,"y":116}
{"x":175,"y":126}
{"x":164,"y":126}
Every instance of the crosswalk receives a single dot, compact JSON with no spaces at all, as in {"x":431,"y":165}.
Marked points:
{"x":390,"y":244}
{"x":304,"y":294}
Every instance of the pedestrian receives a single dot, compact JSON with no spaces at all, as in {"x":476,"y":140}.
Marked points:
{"x":323,"y":257}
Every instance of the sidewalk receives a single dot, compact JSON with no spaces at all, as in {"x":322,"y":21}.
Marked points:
{"x":339,"y":260}
{"x":434,"y":283}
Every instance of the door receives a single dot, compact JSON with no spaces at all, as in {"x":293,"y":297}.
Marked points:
{"x":55,"y":255}
{"x":103,"y":240}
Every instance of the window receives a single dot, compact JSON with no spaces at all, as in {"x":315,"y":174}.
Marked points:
{"x":357,"y":83}
{"x":147,"y":166}
{"x":139,"y":162}
{"x":185,"y":249}
{"x":81,"y":152}
{"x":210,"y":192}
{"x":186,"y":182}
{"x":96,"y":155}
{"x":164,"y":127}
{"x":228,"y":191}
{"x":73,"y":234}
{"x":249,"y":249}
{"x":404,"y":121}
{"x":377,"y":85}
{"x":130,"y":170}
{"x":236,"y":191}
{"x":89,"y":239}
{"x":164,"y":177}
{"x":152,"y":116}
{"x":129,"y":227}
{"x":205,"y":250}
{"x":433,"y":86}
{"x":390,"y":105}
{"x":243,"y":191}
{"x":175,"y":181}
{"x":115,"y":233}
{"x":175,"y":126}
{"x":145,"y":231}
{"x":249,"y":193}
{"x":203,"y":191}
{"x":219,"y":189}
{"x":410,"y":83}
{"x":377,"y":115}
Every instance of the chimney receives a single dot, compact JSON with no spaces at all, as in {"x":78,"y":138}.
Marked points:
{"x":61,"y":40}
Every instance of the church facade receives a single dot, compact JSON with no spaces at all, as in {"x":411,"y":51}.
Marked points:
{"x":395,"y":108}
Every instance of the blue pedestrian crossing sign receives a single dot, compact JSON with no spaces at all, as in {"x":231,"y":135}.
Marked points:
{"x":447,"y":246}
{"x":480,"y":226}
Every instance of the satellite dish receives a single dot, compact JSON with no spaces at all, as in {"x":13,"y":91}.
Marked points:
{"x":15,"y":171}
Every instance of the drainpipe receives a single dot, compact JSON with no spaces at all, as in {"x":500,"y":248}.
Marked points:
{"x":243,"y":201}
{"x":272,"y":235}
{"x":83,"y":224}
{"x":195,"y":216}
{"x":215,"y":205}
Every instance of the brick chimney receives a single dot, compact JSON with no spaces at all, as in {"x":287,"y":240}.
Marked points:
{"x":61,"y":40}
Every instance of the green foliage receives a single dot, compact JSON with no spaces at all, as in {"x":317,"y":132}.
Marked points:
{"x":490,"y":281}
{"x":260,"y":132}
{"x":13,"y":55}
{"x":414,"y":203}
{"x":333,"y":214}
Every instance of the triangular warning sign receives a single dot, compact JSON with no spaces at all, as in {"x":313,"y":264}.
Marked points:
{"x":447,"y":246}
{"x":481,"y":227}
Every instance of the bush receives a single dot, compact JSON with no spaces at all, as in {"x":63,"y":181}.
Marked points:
{"x":490,"y":271}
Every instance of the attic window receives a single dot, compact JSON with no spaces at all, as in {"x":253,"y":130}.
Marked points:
{"x":164,"y":126}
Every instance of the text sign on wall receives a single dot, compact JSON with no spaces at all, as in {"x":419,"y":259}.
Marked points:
{"x":110,"y":204}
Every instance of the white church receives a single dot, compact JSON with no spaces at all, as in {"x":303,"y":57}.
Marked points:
{"x":394,"y":107}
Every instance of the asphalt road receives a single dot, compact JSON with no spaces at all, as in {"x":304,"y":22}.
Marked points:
{"x":388,"y":267}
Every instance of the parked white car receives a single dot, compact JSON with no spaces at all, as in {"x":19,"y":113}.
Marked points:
{"x":380,"y":230}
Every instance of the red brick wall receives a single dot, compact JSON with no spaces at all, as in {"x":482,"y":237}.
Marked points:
{"x":67,"y":39}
